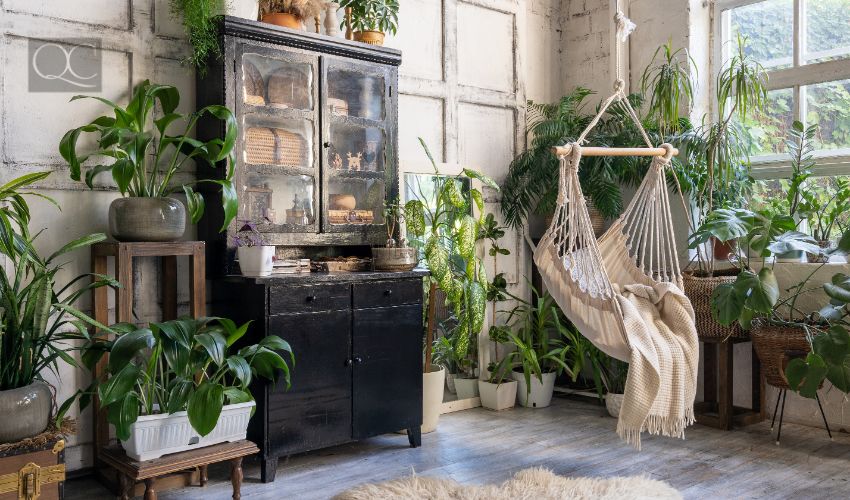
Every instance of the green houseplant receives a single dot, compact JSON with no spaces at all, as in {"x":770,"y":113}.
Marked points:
{"x":445,"y":228}
{"x":371,"y":20}
{"x":36,"y":314}
{"x":147,"y":160}
{"x":186,"y":369}
{"x":536,"y":329}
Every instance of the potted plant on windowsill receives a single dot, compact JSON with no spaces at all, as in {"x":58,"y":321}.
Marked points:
{"x":255,"y":257}
{"x":371,"y":20}
{"x":34,"y":314}
{"x":147,"y":161}
{"x":396,"y":255}
{"x":289,"y":13}
{"x":161,"y":378}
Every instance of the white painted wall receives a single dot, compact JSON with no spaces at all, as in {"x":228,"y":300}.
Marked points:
{"x":469,"y":66}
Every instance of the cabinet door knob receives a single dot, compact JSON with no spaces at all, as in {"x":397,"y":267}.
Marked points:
{"x":327,"y":144}
{"x":348,"y":362}
{"x":311,"y":298}
{"x":388,"y":292}
{"x":358,"y":360}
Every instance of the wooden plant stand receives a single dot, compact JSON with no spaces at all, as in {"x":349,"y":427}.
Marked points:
{"x":124,"y":253}
{"x":130,"y":472}
{"x":718,"y":410}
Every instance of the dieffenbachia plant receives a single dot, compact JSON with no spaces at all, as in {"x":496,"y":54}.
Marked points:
{"x":445,"y":226}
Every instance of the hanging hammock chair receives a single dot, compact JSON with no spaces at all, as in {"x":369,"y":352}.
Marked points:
{"x":624,"y":291}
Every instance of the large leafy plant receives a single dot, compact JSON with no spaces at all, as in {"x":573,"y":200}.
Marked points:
{"x":36,"y":311}
{"x":372,"y":15}
{"x":446,"y":228}
{"x":147,"y":156}
{"x":180,"y":365}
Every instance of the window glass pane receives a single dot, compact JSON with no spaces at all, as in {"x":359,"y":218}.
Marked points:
{"x":821,"y":210}
{"x":827,"y":30}
{"x":828,"y":106}
{"x":767,"y":131}
{"x":768,"y":29}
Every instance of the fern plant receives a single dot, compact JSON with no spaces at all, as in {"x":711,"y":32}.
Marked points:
{"x":199,"y":21}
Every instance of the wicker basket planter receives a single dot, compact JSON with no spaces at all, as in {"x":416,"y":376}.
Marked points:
{"x":775,"y":346}
{"x":699,"y":291}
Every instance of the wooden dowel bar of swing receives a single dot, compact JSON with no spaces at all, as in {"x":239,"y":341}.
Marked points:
{"x":598,"y":151}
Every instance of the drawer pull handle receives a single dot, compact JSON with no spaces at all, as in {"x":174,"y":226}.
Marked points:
{"x":358,"y":360}
{"x":311,"y":298}
{"x":388,"y":292}
{"x":348,"y":362}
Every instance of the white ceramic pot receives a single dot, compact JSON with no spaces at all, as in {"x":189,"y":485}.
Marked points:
{"x":432,"y":397}
{"x":540,"y":395}
{"x":153,"y":436}
{"x":497,"y":396}
{"x":466,"y":388}
{"x":256,"y":261}
{"x":613,"y":403}
{"x":246,"y":9}
{"x":450,"y":382}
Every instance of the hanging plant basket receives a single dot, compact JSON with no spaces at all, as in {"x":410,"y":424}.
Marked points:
{"x":698,"y":290}
{"x":775,"y":346}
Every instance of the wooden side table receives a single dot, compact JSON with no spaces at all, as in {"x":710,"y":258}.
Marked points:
{"x":130,"y":472}
{"x":718,"y":410}
{"x":124,"y":253}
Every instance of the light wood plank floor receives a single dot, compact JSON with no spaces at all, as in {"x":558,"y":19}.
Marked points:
{"x":572,"y":438}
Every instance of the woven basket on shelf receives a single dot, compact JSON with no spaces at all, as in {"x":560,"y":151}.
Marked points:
{"x":699,"y":292}
{"x":775,"y":345}
{"x":255,"y":88}
{"x":274,"y":146}
{"x":288,"y":88}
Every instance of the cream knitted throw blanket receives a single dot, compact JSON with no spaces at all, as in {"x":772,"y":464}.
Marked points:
{"x":662,"y":378}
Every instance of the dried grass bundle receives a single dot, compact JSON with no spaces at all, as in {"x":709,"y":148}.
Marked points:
{"x":302,"y":9}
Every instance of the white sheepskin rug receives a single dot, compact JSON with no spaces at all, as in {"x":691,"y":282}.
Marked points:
{"x":529,"y":484}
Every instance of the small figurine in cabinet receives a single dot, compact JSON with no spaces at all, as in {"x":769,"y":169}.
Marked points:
{"x":336,"y":162}
{"x":355,"y":162}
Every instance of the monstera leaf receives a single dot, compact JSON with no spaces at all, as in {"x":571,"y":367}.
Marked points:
{"x":766,"y":229}
{"x":839,"y":289}
{"x":724,"y":224}
{"x":806,"y":375}
{"x":791,"y":241}
{"x":751,"y":293}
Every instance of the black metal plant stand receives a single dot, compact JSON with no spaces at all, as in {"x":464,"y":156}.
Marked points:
{"x":782,"y":396}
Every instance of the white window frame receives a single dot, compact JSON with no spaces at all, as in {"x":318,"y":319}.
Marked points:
{"x":799,"y":75}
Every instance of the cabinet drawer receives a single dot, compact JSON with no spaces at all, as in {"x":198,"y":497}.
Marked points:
{"x":310,"y":298}
{"x":387,"y":293}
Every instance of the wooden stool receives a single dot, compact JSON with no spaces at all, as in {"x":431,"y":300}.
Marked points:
{"x":124,"y":253}
{"x":718,"y":410}
{"x":130,"y":472}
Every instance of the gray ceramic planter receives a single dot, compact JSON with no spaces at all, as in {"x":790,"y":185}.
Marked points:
{"x":24,"y":411}
{"x":147,"y":219}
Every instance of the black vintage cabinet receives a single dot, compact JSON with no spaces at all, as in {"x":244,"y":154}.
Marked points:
{"x":316,"y":148}
{"x":357,"y":338}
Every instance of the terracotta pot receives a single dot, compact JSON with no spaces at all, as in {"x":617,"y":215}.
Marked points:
{"x":147,"y":219}
{"x":370,"y":37}
{"x":723,"y":249}
{"x":283,"y":19}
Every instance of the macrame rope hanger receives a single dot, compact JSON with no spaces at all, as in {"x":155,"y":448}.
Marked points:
{"x":625,"y":27}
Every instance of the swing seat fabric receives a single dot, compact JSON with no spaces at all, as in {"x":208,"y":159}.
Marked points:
{"x":624,"y":294}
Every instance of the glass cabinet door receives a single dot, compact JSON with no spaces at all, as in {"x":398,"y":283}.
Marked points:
{"x":278,"y":175}
{"x":358,"y":145}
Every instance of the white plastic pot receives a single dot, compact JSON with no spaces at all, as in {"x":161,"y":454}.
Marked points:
{"x":246,"y":9}
{"x":613,"y":403}
{"x":466,"y":388}
{"x":497,"y":396}
{"x":256,"y":261}
{"x":432,"y":397}
{"x":540,"y":395}
{"x":153,"y":436}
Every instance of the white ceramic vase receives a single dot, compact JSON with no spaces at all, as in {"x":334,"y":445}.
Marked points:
{"x":153,"y":436}
{"x":246,"y":9}
{"x":540,"y":395}
{"x":466,"y":388}
{"x":256,"y":261}
{"x":613,"y":403}
{"x":432,"y":397}
{"x":497,"y":396}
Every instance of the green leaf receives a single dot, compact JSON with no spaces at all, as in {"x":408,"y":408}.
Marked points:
{"x":204,"y":407}
{"x":123,"y":171}
{"x":195,"y":204}
{"x":467,"y":234}
{"x":267,"y":364}
{"x":472,"y":174}
{"x":82,"y":242}
{"x":128,"y":346}
{"x":833,"y":345}
{"x":758,"y":291}
{"x":236,"y":333}
{"x":235,"y":395}
{"x":839,"y":289}
{"x":452,"y":193}
{"x":726,"y":304}
{"x":124,"y":414}
{"x":178,"y":395}
{"x":477,"y":306}
{"x":791,"y":241}
{"x":215,"y":345}
{"x":240,"y":369}
{"x":118,"y":385}
{"x":414,"y":216}
{"x":806,"y":376}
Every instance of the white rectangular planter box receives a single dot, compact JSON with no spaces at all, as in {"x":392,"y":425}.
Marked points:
{"x":153,"y":436}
